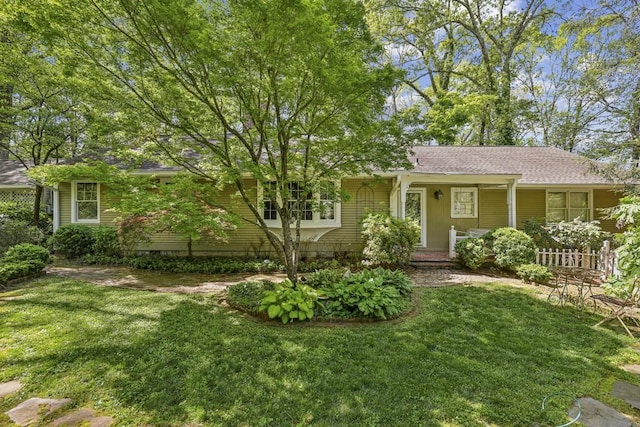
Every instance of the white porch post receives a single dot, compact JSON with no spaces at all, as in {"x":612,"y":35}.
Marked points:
{"x":393,"y":198}
{"x":56,"y":208}
{"x":404,"y":186}
{"x":511,"y":203}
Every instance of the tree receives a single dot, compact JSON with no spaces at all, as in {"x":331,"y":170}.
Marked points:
{"x":279,"y":96}
{"x":462,"y":58}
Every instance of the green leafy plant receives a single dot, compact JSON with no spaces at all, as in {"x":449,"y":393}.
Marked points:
{"x":513,"y":248}
{"x":471,"y":252}
{"x":27,"y":252}
{"x":289,"y":302}
{"x":14,"y":232}
{"x":578,"y":234}
{"x":18,"y":269}
{"x":540,"y":233}
{"x":72,"y":240}
{"x":362,"y":297}
{"x":324,"y":277}
{"x":105,"y":242}
{"x":388,"y":240}
{"x":534,"y":273}
{"x":248,"y":296}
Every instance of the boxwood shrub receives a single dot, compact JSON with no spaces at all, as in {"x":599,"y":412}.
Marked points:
{"x":513,"y":248}
{"x":72,"y":240}
{"x":471,"y":252}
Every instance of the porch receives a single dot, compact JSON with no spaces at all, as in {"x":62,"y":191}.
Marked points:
{"x":466,"y":202}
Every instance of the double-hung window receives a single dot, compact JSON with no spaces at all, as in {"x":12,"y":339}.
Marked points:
{"x":316,"y":209}
{"x":567,"y":206}
{"x":464,"y":202}
{"x":85,"y":202}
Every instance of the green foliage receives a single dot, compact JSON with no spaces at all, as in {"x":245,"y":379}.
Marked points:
{"x":513,"y":248}
{"x":471,"y":252}
{"x":14,"y":232}
{"x":289,"y":302}
{"x":105,"y":242}
{"x":202,"y":265}
{"x":324,"y":277}
{"x":72,"y":240}
{"x":23,"y":260}
{"x":534,"y":273}
{"x":579,"y":234}
{"x":27,"y":252}
{"x":388,"y":240}
{"x":15,"y":211}
{"x":248,"y":295}
{"x":540,"y":234}
{"x":377,"y":293}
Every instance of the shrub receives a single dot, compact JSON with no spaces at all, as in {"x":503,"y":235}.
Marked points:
{"x":513,"y":248}
{"x":393,"y":278}
{"x":534,"y":273}
{"x":248,"y":295}
{"x":388,"y":240}
{"x":27,"y":252}
{"x":14,"y":232}
{"x":19,"y":269}
{"x":368,"y":298}
{"x":540,"y":234}
{"x":471,"y":252}
{"x":105,"y":242}
{"x":578,"y":234}
{"x":324,"y":277}
{"x":289,"y":302}
{"x":13,"y":211}
{"x":72,"y":240}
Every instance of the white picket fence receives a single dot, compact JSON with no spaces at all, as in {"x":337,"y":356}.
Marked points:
{"x":603,"y":260}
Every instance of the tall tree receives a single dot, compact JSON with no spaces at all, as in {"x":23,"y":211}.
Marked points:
{"x":282,"y":95}
{"x":466,"y":55}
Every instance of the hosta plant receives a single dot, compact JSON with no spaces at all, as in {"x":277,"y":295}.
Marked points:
{"x":289,"y":302}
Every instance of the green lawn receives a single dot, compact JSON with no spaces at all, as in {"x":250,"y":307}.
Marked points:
{"x":470,"y":356}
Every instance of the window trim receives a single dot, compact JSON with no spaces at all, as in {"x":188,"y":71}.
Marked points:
{"x":74,"y":203}
{"x":455,"y":190}
{"x":316,"y":222}
{"x":568,"y":192}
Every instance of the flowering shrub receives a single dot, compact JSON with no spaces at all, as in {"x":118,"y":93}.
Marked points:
{"x":512,"y":248}
{"x":388,"y":240}
{"x":471,"y":252}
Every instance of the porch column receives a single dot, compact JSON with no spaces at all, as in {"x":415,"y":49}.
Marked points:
{"x":511,"y":203}
{"x":56,"y":208}
{"x":404,"y":186}
{"x":393,"y":198}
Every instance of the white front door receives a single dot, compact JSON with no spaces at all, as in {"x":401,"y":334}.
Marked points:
{"x":415,"y":209}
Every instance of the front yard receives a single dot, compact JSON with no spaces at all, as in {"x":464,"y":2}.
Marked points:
{"x":470,"y":356}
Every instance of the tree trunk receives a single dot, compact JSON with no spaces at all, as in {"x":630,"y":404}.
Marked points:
{"x":6,"y":101}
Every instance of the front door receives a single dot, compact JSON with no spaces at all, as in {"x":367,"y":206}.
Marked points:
{"x":415,"y":209}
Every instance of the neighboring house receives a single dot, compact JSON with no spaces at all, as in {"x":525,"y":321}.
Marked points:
{"x":464,"y":187}
{"x":15,"y":186}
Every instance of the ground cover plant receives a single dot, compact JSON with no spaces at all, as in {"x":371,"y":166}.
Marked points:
{"x":471,"y":356}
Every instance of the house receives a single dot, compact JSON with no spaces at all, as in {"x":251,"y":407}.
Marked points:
{"x":15,"y":186}
{"x":463,"y":187}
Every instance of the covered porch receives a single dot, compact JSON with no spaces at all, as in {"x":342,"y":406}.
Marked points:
{"x":439,"y":201}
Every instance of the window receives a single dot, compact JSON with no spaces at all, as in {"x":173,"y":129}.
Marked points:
{"x":464,"y":202}
{"x":85,"y":202}
{"x":567,"y":206}
{"x":319,"y":208}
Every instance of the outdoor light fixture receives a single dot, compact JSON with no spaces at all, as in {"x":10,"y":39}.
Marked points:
{"x":438,"y":194}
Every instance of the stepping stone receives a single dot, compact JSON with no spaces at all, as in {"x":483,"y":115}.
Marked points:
{"x":628,"y":392}
{"x":634,"y":369}
{"x":83,"y":416}
{"x":597,"y":414}
{"x":34,"y":409}
{"x":9,"y":387}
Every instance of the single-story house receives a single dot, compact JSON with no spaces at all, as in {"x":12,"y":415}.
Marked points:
{"x":15,"y":186}
{"x":459,"y":186}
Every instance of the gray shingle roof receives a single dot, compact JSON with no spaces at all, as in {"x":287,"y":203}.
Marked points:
{"x":12,"y":173}
{"x":537,"y":165}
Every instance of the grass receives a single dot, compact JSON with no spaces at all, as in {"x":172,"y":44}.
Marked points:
{"x":472,"y":356}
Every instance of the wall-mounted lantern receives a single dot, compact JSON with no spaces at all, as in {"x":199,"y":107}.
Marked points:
{"x":438,"y":194}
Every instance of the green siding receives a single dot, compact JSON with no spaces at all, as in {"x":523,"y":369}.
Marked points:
{"x":493,"y":208}
{"x":530,"y":203}
{"x":603,"y":199}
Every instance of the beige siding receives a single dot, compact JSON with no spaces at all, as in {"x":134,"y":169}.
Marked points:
{"x":603,"y":199}
{"x":493,"y":208}
{"x":249,"y":240}
{"x":530,"y":203}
